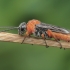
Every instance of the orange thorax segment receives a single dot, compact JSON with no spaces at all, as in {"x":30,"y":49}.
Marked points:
{"x":31,"y":25}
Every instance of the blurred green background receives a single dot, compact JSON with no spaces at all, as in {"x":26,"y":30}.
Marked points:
{"x":14,"y":56}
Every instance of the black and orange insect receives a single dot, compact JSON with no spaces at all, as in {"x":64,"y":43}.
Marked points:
{"x":32,"y":24}
{"x":39,"y":29}
{"x":49,"y":31}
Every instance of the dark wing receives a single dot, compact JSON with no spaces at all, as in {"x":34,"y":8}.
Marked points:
{"x":44,"y":27}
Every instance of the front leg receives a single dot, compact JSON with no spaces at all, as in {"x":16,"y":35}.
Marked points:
{"x":26,"y":35}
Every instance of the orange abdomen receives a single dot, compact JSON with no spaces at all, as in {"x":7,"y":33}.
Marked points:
{"x":31,"y":25}
{"x":58,"y":36}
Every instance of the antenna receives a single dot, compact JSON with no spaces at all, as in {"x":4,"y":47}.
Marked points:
{"x":21,"y":28}
{"x":9,"y":28}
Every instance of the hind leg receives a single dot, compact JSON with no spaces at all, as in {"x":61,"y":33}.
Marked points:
{"x":46,"y":43}
{"x":59,"y":43}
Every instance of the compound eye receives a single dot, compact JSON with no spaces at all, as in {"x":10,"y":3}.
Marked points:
{"x":22,"y":29}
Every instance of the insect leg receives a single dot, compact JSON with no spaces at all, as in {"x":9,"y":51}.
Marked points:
{"x":23,"y":40}
{"x":42,"y":35}
{"x":59,"y":43}
{"x":26,"y":35}
{"x":46,"y":43}
{"x":54,"y":35}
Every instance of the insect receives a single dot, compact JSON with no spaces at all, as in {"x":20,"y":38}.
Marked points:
{"x":49,"y":31}
{"x":39,"y":29}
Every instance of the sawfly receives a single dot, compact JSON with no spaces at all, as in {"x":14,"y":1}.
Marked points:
{"x":40,"y":29}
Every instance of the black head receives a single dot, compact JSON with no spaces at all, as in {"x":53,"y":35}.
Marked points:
{"x":22,"y":28}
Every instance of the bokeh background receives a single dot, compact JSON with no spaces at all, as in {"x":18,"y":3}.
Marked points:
{"x":14,"y":56}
